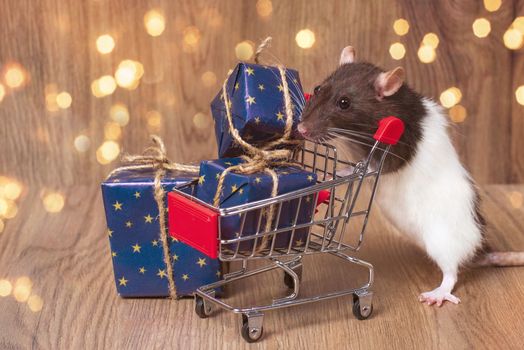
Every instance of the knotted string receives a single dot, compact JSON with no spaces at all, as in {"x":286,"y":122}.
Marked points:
{"x":155,"y":158}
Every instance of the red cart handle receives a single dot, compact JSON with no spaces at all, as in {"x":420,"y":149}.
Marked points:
{"x":389,"y":130}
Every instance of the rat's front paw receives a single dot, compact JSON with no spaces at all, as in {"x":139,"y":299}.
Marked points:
{"x":438,"y":296}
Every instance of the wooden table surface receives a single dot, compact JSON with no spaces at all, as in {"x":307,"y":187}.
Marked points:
{"x":66,"y":257}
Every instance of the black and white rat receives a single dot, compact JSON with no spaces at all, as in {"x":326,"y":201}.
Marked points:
{"x":424,"y":190}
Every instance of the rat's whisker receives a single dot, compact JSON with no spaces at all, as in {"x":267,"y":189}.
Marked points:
{"x":361,"y":134}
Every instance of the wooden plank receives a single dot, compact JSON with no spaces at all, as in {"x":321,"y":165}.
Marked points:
{"x":517,"y":110}
{"x":66,"y":256}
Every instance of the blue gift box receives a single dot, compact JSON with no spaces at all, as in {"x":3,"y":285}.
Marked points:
{"x":241,"y":188}
{"x":257,"y":106}
{"x":134,"y":236}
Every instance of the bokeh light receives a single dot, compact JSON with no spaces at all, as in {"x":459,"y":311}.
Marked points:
{"x":5,"y":287}
{"x":154,"y":22}
{"x":519,"y":94}
{"x":35,"y":303}
{"x":516,"y":199}
{"x":11,"y":190}
{"x":12,"y":210}
{"x":305,"y":38}
{"x":397,"y":51}
{"x":53,"y":202}
{"x":103,"y":86}
{"x":457,"y":113}
{"x":3,"y":206}
{"x":2,"y":225}
{"x":513,"y":39}
{"x":518,"y":24}
{"x":154,"y":120}
{"x":492,"y":5}
{"x":450,"y":97}
{"x":431,"y":39}
{"x":264,"y":8}
{"x":119,"y":114}
{"x":191,"y":37}
{"x":112,"y":131}
{"x":244,"y":50}
{"x":64,"y":100}
{"x":129,"y":73}
{"x":107,"y":152}
{"x":426,"y":54}
{"x":401,"y":26}
{"x":82,"y":143}
{"x":209,"y":79}
{"x":201,"y":121}
{"x":105,"y":44}
{"x":481,"y":27}
{"x":2,"y":92}
{"x":22,"y":289}
{"x":15,"y":76}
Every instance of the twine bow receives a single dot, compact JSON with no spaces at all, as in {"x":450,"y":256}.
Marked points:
{"x":155,"y":157}
{"x":262,"y":159}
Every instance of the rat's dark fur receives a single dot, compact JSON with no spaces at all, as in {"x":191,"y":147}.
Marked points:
{"x":357,"y":82}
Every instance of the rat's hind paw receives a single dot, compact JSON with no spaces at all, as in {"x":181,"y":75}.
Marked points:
{"x":438,"y":296}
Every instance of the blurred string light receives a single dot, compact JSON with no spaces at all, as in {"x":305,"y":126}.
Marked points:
{"x":119,"y":114}
{"x":107,"y":152}
{"x":2,"y":226}
{"x":10,"y":191}
{"x":244,"y":50}
{"x":519,"y":94}
{"x":35,"y":303}
{"x":2,"y":92}
{"x":264,"y":8}
{"x":305,"y":38}
{"x":457,"y":113}
{"x":5,"y":288}
{"x":112,"y":131}
{"x":209,"y":79}
{"x":431,"y":39}
{"x":426,"y":53}
{"x":105,"y":44}
{"x":200,"y":120}
{"x":22,"y":289}
{"x":516,"y":199}
{"x":15,"y":76}
{"x":129,"y":73}
{"x":481,"y":27}
{"x":397,"y":51}
{"x":191,"y":38}
{"x":103,"y":86}
{"x":154,"y":120}
{"x":492,"y":5}
{"x":53,"y":201}
{"x":22,"y":292}
{"x":82,"y":143}
{"x":154,"y":22}
{"x":401,"y":26}
{"x":64,"y":100}
{"x":450,"y":97}
{"x":514,"y":37}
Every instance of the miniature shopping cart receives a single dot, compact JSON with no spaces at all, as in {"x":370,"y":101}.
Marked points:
{"x":326,"y":230}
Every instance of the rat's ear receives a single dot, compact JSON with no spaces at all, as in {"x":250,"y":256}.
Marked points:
{"x":347,"y":55}
{"x":388,"y":83}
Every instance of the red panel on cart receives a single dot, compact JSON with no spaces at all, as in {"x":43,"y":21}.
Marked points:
{"x":193,"y":224}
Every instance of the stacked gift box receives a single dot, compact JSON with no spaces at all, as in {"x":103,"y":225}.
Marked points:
{"x":255,"y":94}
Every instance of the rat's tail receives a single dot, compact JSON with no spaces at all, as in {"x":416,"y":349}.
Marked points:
{"x":500,"y":259}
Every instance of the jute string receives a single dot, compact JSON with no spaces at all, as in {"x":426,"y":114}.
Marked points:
{"x":155,"y":158}
{"x":262,"y":159}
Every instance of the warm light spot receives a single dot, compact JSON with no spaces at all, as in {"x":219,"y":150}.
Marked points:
{"x":457,"y":113}
{"x":128,"y":74}
{"x":191,"y":36}
{"x":154,"y":119}
{"x":2,"y":226}
{"x":12,"y":210}
{"x":108,"y":152}
{"x":14,"y":76}
{"x":426,"y":54}
{"x":516,"y":199}
{"x":513,"y":39}
{"x":53,"y":202}
{"x":264,"y":8}
{"x":119,"y":113}
{"x":212,"y":17}
{"x":397,"y":51}
{"x":3,"y":206}
{"x":105,"y":44}
{"x":209,"y":79}
{"x":481,"y":27}
{"x":2,"y":92}
{"x":12,"y":190}
{"x":518,"y":24}
{"x":22,"y":289}
{"x":305,"y":38}
{"x":450,"y":97}
{"x":431,"y":39}
{"x":104,"y":86}
{"x":492,"y":5}
{"x":82,"y":143}
{"x":64,"y":100}
{"x":5,"y":287}
{"x":154,"y":22}
{"x":519,"y":94}
{"x":244,"y":50}
{"x":401,"y":26}
{"x":35,"y":303}
{"x":112,"y":131}
{"x":200,"y":120}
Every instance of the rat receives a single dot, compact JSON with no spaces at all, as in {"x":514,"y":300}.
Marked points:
{"x":424,"y":189}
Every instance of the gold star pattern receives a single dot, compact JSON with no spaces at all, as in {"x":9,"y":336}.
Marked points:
{"x":257,"y":120}
{"x":201,"y":262}
{"x":237,"y":85}
{"x":295,"y":81}
{"x":228,"y":163}
{"x":240,"y":191}
{"x":250,"y":100}
{"x":113,"y":254}
{"x":122,"y":281}
{"x":308,"y":199}
{"x":218,"y":274}
{"x":202,"y":179}
{"x":117,"y":205}
{"x":110,"y":232}
{"x":161,"y":273}
{"x":280,"y":116}
{"x":142,"y":270}
{"x":173,"y":239}
{"x":148,"y":219}
{"x":137,"y":194}
{"x":299,"y":242}
{"x":250,"y":71}
{"x":217,"y":176}
{"x":136,"y":248}
{"x":261,"y":87}
{"x":154,"y":243}
{"x":280,"y":88}
{"x":129,"y":224}
{"x":175,"y":257}
{"x":258,"y":180}
{"x":234,"y":188}
{"x":185,"y":277}
{"x":310,"y":178}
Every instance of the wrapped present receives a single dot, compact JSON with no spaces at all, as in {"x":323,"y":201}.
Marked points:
{"x":256,"y":97}
{"x":136,"y":244}
{"x":244,"y":188}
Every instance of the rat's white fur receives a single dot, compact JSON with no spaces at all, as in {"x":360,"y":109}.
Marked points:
{"x":432,"y":200}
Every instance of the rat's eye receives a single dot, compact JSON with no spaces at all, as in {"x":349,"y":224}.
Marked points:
{"x":316,"y":89}
{"x":343,"y":102}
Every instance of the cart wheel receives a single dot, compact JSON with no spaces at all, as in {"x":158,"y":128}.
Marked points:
{"x":250,"y":335}
{"x":361,"y":313}
{"x":200,"y":307}
{"x":288,"y":280}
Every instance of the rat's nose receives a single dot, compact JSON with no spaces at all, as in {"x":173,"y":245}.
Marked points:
{"x":302,"y":129}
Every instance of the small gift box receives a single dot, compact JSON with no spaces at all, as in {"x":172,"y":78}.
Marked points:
{"x":239,"y":189}
{"x":256,"y":96}
{"x":139,"y":263}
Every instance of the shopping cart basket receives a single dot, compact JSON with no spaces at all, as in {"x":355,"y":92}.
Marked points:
{"x":326,"y":230}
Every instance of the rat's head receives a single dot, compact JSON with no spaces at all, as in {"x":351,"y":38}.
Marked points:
{"x":352,"y":100}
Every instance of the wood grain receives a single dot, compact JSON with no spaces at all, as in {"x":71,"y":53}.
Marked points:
{"x":67,"y":258}
{"x":55,"y":42}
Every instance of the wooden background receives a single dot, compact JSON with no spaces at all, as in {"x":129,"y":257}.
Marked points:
{"x":55,"y":42}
